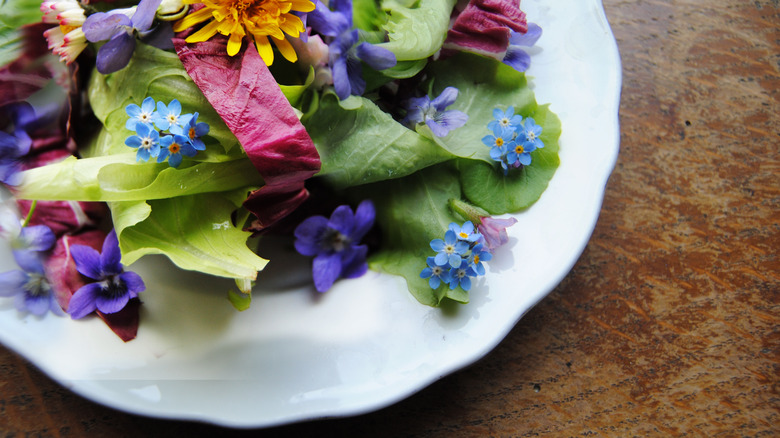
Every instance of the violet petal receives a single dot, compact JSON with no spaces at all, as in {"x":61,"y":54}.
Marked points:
{"x":341,"y":78}
{"x":327,"y":22}
{"x":37,"y":305}
{"x":102,"y":26}
{"x":82,"y":303}
{"x":110,"y":256}
{"x":355,"y":75}
{"x":116,"y":53}
{"x":377,"y":57}
{"x":527,"y":39}
{"x":144,"y":14}
{"x":133,"y":282}
{"x":38,"y":237}
{"x":87,"y":260}
{"x":11,"y":282}
{"x":29,"y":261}
{"x":445,"y":99}
{"x":342,"y":220}
{"x":364,"y":220}
{"x":517,"y":58}
{"x":326,"y":268}
{"x":356,"y":265}
{"x":108,"y":304}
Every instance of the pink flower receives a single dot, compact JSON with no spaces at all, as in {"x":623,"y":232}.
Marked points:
{"x":494,"y":231}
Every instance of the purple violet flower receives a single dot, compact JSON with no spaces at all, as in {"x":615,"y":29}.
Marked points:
{"x":334,"y":243}
{"x":113,"y":286}
{"x":119,"y":30}
{"x":16,"y":144}
{"x":516,"y":57}
{"x":30,"y":288}
{"x":344,"y":52}
{"x":433,"y":114}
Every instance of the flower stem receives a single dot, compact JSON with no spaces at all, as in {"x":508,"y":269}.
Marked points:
{"x":29,"y":214}
{"x":468,"y":211}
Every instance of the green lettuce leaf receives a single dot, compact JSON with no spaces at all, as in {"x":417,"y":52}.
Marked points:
{"x":196,"y":232}
{"x":488,"y":188}
{"x":159,"y":74}
{"x":412,"y":211}
{"x":364,"y":144}
{"x":416,"y":32}
{"x":483,"y":85}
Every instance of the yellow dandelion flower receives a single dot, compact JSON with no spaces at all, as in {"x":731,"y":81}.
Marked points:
{"x":263,"y":20}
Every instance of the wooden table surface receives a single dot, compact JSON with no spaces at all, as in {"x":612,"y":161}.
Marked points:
{"x":668,"y":325}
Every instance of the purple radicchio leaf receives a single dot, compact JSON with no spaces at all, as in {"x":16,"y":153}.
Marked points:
{"x":247,"y":97}
{"x":485,"y":26}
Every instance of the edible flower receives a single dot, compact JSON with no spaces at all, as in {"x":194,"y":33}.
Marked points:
{"x":120,"y":31}
{"x":259,"y":19}
{"x":529,"y":135}
{"x":465,"y":232}
{"x":516,"y":55}
{"x":478,"y":255}
{"x":461,"y":276}
{"x":501,"y":137}
{"x":193,"y":131}
{"x":113,"y":286}
{"x":345,"y":52}
{"x":449,"y":249}
{"x":435,"y":274}
{"x":16,"y":143}
{"x":492,"y":230}
{"x":169,"y":115}
{"x":140,"y":114}
{"x":519,"y":153}
{"x":174,"y":148}
{"x":146,"y":140}
{"x":30,"y":289}
{"x":28,"y":285}
{"x":433,"y":114}
{"x":335,"y":243}
{"x":67,"y":39}
{"x":505,"y":119}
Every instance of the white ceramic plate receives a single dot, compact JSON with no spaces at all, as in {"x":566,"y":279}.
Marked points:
{"x":366,"y":343}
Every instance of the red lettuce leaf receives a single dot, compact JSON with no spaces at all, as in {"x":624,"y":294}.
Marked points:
{"x":484,"y":26}
{"x":247,"y":97}
{"x":65,"y":279}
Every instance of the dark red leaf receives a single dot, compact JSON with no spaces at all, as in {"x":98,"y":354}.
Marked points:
{"x":484,"y":26}
{"x":247,"y":97}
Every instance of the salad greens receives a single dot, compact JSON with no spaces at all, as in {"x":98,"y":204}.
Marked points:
{"x":266,"y":134}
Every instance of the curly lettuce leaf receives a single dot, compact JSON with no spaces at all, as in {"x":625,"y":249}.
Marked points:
{"x":159,"y":74}
{"x":363,"y":144}
{"x":120,"y":178}
{"x":416,"y":32}
{"x":196,"y":232}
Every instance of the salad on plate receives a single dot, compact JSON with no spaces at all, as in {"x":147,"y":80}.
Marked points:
{"x":386,"y":135}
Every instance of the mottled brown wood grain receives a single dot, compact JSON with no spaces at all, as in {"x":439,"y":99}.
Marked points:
{"x":668,"y":325}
